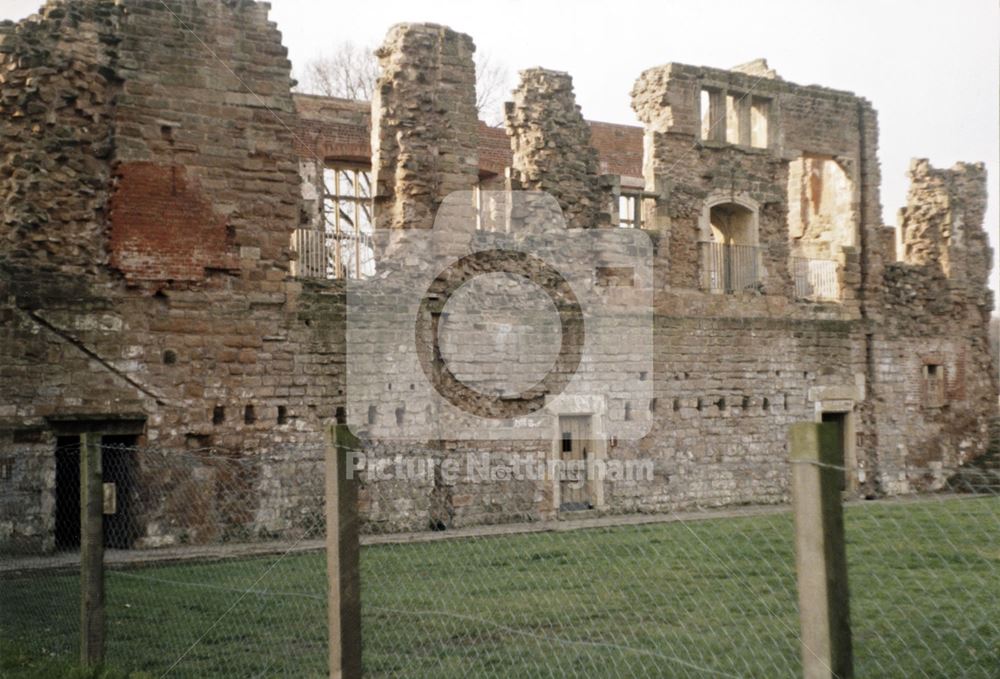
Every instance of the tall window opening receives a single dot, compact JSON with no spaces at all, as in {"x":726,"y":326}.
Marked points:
{"x":730,"y":255}
{"x":630,"y":210}
{"x":341,"y":243}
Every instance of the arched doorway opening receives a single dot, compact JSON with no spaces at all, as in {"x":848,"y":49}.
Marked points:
{"x":730,"y":254}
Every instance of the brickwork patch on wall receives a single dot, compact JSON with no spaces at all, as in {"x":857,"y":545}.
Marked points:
{"x":163,"y":227}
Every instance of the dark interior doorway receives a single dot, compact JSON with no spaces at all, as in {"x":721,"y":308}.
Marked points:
{"x":119,"y":476}
{"x":67,"y":492}
{"x":840,"y":420}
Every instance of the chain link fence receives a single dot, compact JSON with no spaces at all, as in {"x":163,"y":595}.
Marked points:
{"x":215,"y":566}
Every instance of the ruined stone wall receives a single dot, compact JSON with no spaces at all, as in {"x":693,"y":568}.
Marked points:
{"x":690,"y":171}
{"x":550,"y":145}
{"x":726,"y":390}
{"x":427,"y":73}
{"x":145,"y":275}
{"x":940,"y":226}
{"x":702,"y":172}
{"x":937,"y":305}
{"x":175,"y":305}
{"x":58,"y":85}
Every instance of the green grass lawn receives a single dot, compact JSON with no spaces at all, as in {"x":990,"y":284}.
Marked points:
{"x":694,"y":599}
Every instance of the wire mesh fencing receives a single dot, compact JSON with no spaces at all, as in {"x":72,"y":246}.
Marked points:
{"x":215,"y":566}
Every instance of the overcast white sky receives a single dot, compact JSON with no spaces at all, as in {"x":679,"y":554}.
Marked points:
{"x":930,"y":67}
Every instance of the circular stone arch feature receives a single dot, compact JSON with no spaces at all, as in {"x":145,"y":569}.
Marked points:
{"x":429,"y":325}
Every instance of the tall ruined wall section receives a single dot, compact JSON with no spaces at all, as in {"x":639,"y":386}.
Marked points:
{"x":916,"y":327}
{"x":690,"y":173}
{"x":150,"y":265}
{"x":551,"y":149}
{"x":58,"y":85}
{"x":936,"y":376}
{"x":424,"y":123}
{"x":58,"y":82}
{"x":424,"y":137}
{"x":940,"y":225}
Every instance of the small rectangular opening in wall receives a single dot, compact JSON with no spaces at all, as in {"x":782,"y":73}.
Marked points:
{"x":934,"y":385}
{"x":760,"y":112}
{"x":706,"y":110}
{"x":282,"y":415}
{"x":732,"y":119}
{"x":6,"y":469}
{"x":218,"y":415}
{"x":28,"y":436}
{"x":249,"y":416}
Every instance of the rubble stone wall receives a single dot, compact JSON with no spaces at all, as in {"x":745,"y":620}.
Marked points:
{"x":427,"y":73}
{"x":551,"y":149}
{"x":937,"y":306}
{"x":146,"y":275}
{"x":150,"y":191}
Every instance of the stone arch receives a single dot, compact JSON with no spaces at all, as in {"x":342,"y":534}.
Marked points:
{"x":729,"y":252}
{"x":732,"y":218}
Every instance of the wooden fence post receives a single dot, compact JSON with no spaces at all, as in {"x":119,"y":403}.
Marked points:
{"x":91,"y":551}
{"x":342,"y":552}
{"x":820,"y":559}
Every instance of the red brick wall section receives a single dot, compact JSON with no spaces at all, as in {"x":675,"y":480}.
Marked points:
{"x":619,"y":148}
{"x":163,"y":227}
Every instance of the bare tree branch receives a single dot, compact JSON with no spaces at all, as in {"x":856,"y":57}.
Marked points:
{"x":492,"y":88}
{"x":350,"y":72}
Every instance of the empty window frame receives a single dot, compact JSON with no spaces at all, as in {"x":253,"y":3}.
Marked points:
{"x":630,"y":210}
{"x":734,"y":117}
{"x":735,"y":105}
{"x":348,"y":223}
{"x":713,"y":115}
{"x":934,"y":385}
{"x":340,"y":244}
{"x":760,"y":113}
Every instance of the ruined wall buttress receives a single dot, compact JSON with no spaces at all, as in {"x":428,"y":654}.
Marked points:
{"x":58,"y":82}
{"x":416,"y":166}
{"x":551,"y":149}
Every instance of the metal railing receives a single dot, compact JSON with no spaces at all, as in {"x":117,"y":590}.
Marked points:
{"x":322,"y":254}
{"x":815,"y":279}
{"x":729,"y":268}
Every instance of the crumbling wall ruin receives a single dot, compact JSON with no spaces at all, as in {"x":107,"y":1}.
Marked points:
{"x":145,"y":276}
{"x":551,"y":150}
{"x":149,"y":198}
{"x":936,"y":376}
{"x":427,"y":74}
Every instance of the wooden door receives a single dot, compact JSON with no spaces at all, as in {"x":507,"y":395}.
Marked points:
{"x":575,"y":451}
